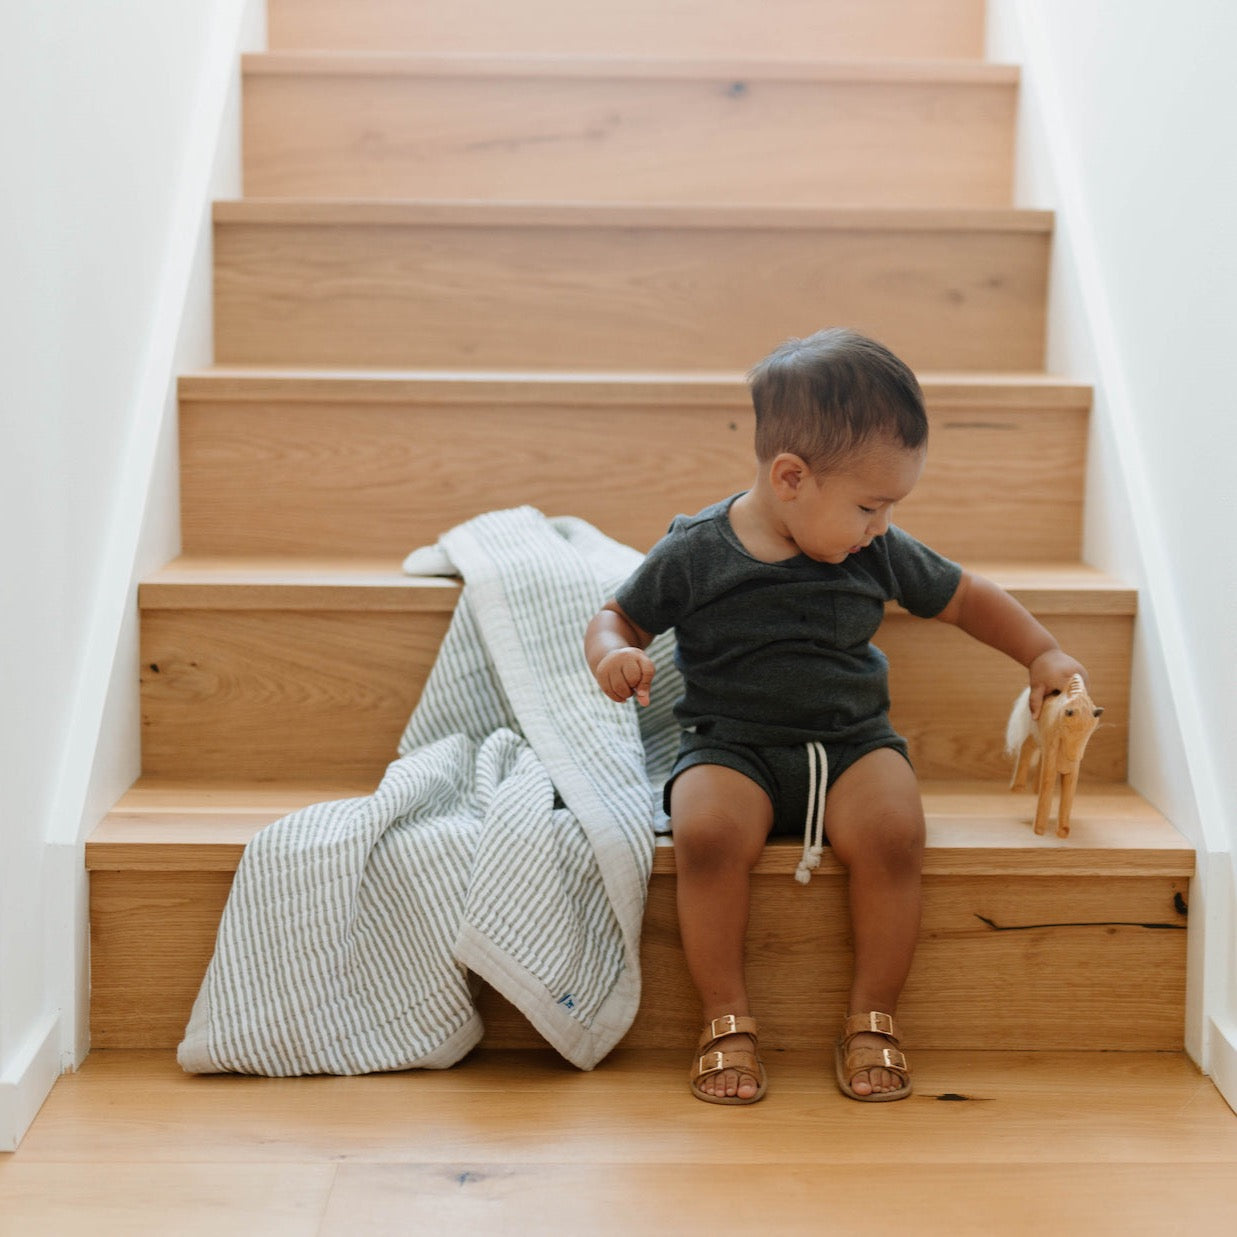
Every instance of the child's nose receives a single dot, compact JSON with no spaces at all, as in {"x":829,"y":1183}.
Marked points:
{"x":878,"y":525}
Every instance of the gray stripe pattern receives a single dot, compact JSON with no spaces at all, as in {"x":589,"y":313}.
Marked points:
{"x":510,"y":840}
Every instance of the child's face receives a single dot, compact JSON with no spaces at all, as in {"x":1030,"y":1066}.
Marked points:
{"x":834,"y":515}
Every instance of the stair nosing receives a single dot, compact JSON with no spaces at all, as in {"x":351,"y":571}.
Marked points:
{"x":204,"y":839}
{"x":538,"y":387}
{"x":471,"y":213}
{"x":597,"y":67}
{"x":206,"y":582}
{"x":308,"y":585}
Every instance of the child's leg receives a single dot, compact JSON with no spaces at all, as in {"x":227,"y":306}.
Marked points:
{"x":874,"y":819}
{"x":721,"y":820}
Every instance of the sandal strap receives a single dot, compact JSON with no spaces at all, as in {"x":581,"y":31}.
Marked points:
{"x":871,"y":1023}
{"x":715,"y":1062}
{"x":876,"y":1058}
{"x":727,"y":1024}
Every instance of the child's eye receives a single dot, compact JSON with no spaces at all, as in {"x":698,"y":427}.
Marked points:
{"x":867,"y":510}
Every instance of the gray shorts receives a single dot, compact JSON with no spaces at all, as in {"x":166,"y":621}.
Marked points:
{"x":785,"y":774}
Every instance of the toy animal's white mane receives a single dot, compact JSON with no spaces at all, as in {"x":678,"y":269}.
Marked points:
{"x":1018,"y":728}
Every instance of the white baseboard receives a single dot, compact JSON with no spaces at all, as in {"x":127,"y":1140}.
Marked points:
{"x":27,"y":1079}
{"x":1223,"y":1060}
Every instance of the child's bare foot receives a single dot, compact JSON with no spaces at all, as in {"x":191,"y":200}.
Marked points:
{"x":727,"y":1069}
{"x":873,"y":1081}
{"x":870,"y":1065}
{"x":730,"y":1081}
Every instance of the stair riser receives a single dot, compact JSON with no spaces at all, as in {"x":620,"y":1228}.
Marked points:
{"x":280,"y":478}
{"x":821,"y":28}
{"x":525,"y":138}
{"x":598,"y":296}
{"x":246,"y":695}
{"x":1026,"y":963}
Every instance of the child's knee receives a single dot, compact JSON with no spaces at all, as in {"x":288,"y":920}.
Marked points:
{"x":897,"y":836}
{"x":718,"y":818}
{"x":888,"y":835}
{"x":889,"y":842}
{"x":703,"y":842}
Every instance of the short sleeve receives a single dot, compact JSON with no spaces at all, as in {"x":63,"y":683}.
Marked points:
{"x":922,"y":581}
{"x":659,"y":592}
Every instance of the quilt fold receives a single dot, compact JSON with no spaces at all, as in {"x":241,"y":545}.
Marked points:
{"x":510,"y":841}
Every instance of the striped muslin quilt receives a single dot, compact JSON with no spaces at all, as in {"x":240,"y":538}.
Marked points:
{"x":510,"y":841}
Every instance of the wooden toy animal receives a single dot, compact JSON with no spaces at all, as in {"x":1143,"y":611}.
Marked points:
{"x":1058,"y":739}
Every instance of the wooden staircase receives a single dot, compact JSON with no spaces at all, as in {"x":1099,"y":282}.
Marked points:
{"x":480,"y":262}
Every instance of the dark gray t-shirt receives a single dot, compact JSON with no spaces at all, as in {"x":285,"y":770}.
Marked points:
{"x":775,"y":653}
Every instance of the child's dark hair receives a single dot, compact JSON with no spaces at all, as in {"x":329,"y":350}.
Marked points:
{"x":823,"y":396}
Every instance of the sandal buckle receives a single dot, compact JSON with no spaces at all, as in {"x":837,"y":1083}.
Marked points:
{"x":895,"y":1060}
{"x":881,"y":1024}
{"x":874,"y":1022}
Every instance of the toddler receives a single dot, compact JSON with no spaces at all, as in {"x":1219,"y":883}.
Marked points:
{"x":774,"y":595}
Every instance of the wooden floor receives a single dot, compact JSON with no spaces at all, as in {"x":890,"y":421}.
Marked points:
{"x":992,"y":1143}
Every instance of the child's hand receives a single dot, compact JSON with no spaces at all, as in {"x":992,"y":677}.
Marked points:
{"x":626,"y":672}
{"x":1051,"y":672}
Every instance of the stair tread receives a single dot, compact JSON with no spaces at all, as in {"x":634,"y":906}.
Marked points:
{"x":240,"y":382}
{"x":471,"y":213}
{"x":686,"y":27}
{"x":465,"y":64}
{"x":974,"y":827}
{"x":294,"y":582}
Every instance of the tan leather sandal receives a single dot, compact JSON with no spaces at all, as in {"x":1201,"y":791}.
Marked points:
{"x":851,"y":1060}
{"x":709,"y":1061}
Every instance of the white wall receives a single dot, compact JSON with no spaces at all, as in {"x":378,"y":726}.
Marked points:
{"x":1126,"y":132}
{"x":112,"y":116}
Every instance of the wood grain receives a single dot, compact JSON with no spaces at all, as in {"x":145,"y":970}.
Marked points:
{"x":952,"y":696}
{"x":1029,"y":1143}
{"x":191,"y":1200}
{"x":325,"y":468}
{"x":914,"y":29}
{"x":496,"y":286}
{"x":973,"y":828}
{"x":786,"y":1199}
{"x":614,"y":129}
{"x":287,"y":694}
{"x":1036,"y":962}
{"x":477,"y":1195}
{"x":1136,"y":1109}
{"x":151,"y":939}
{"x":325,"y":692}
{"x":1014,"y":953}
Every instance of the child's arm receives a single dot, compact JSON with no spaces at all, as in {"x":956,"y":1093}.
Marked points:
{"x":614,"y":648}
{"x":986,"y":611}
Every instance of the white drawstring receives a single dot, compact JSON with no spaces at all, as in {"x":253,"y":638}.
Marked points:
{"x":814,"y":820}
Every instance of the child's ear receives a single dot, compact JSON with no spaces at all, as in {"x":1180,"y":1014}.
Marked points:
{"x":787,"y":474}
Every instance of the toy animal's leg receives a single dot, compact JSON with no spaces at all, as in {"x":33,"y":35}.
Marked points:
{"x":1047,"y":779}
{"x":1069,"y":783}
{"x":1023,"y":767}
